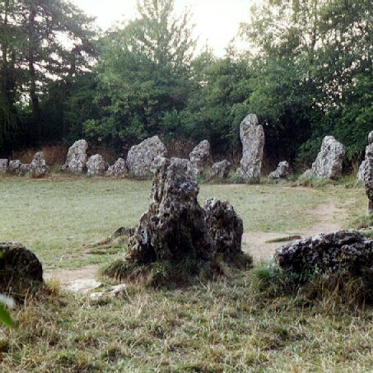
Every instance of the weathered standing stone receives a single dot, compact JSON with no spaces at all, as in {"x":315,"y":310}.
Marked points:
{"x":252,"y":138}
{"x":368,"y":153}
{"x":328,"y":163}
{"x":140,"y":157}
{"x":14,"y":166}
{"x":118,"y":169}
{"x":174,"y":226}
{"x":20,"y":269}
{"x":367,"y":173}
{"x":3,"y":166}
{"x":327,"y":253}
{"x":199,"y":156}
{"x":281,"y":172}
{"x":96,"y":166}
{"x":38,"y":166}
{"x":225,"y":226}
{"x":76,"y":157}
{"x":220,"y":170}
{"x":24,"y":169}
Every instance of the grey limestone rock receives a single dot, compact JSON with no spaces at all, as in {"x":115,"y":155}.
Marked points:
{"x":76,"y":157}
{"x":118,"y":169}
{"x":367,"y":173}
{"x":252,"y":138}
{"x":38,"y":166}
{"x":281,"y":172}
{"x":328,"y":163}
{"x":368,"y":154}
{"x":220,"y":170}
{"x":141,"y":157}
{"x":327,"y":253}
{"x":14,"y":166}
{"x":96,"y":166}
{"x":24,"y":169}
{"x":174,"y":226}
{"x":199,"y":156}
{"x":20,"y":269}
{"x":3,"y":166}
{"x":225,"y":226}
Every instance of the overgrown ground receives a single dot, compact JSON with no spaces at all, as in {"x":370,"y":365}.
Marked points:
{"x":214,"y":327}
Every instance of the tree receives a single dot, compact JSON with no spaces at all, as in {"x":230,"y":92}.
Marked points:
{"x":143,"y":73}
{"x":41,"y":41}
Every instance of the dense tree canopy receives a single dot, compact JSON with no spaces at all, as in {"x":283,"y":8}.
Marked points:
{"x":308,"y":74}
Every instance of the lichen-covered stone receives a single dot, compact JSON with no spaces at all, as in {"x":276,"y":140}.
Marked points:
{"x":76,"y":157}
{"x":96,"y":166}
{"x":141,"y":157}
{"x":225,"y":226}
{"x":118,"y":169}
{"x":328,"y":163}
{"x":199,"y":156}
{"x":14,"y":166}
{"x":38,"y":166}
{"x":327,"y":253}
{"x":24,"y":169}
{"x":368,"y":153}
{"x":366,"y":172}
{"x":252,"y":138}
{"x":174,"y":226}
{"x":20,"y":269}
{"x":281,"y":172}
{"x":3,"y":166}
{"x":220,"y":170}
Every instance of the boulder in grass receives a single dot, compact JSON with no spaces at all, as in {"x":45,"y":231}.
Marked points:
{"x":38,"y":166}
{"x":96,"y":166}
{"x":20,"y":270}
{"x":141,"y":157}
{"x":76,"y":157}
{"x":14,"y":166}
{"x":118,"y":169}
{"x":220,"y":170}
{"x":327,"y":254}
{"x":3,"y":166}
{"x":281,"y":172}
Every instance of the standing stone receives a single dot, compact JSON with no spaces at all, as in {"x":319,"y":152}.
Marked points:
{"x":3,"y":166}
{"x":220,"y":170}
{"x":252,"y":138}
{"x":366,"y":170}
{"x":141,"y":157}
{"x":24,"y":169}
{"x":225,"y":226}
{"x":199,"y":156}
{"x":14,"y":166}
{"x":38,"y":166}
{"x":281,"y":172}
{"x":118,"y":169}
{"x":368,"y":150}
{"x":328,"y":163}
{"x":76,"y":157}
{"x":96,"y":166}
{"x":174,"y":226}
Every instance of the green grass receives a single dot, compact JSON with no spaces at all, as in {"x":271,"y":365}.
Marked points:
{"x":221,"y":326}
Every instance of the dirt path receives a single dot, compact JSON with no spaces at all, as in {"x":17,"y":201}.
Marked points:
{"x":326,"y":214}
{"x":255,"y":243}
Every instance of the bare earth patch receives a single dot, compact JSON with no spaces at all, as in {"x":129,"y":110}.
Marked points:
{"x":328,"y":218}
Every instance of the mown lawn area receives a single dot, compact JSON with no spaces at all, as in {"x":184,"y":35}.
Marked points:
{"x":221,"y":326}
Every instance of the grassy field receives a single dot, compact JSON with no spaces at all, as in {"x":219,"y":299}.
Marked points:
{"x":221,"y":326}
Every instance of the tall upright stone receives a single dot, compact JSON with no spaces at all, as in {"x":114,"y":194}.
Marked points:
{"x":141,"y":157}
{"x":4,"y":163}
{"x":252,"y":139}
{"x":199,"y":156}
{"x":366,"y":171}
{"x":328,"y":163}
{"x":76,"y":158}
{"x":38,"y":166}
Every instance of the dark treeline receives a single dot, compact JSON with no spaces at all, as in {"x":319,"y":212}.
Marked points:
{"x":308,"y":73}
